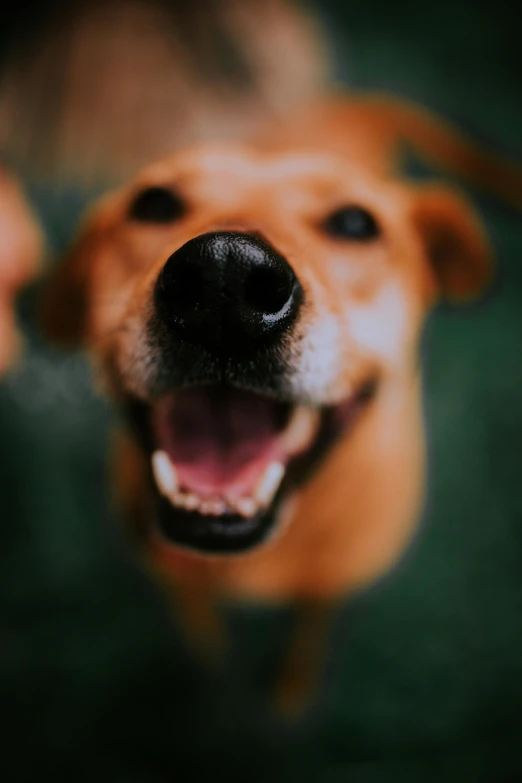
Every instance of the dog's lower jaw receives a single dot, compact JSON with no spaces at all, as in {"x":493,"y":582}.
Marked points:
{"x":341,"y":531}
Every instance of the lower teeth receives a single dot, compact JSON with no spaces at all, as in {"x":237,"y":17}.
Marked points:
{"x":165,"y":475}
{"x":246,"y":507}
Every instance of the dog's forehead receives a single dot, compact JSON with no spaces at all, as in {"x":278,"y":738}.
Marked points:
{"x":247,"y":168}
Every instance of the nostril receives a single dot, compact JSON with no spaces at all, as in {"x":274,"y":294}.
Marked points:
{"x":182,"y":282}
{"x":267,"y":290}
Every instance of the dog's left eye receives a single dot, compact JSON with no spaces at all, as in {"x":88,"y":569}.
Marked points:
{"x":156,"y":205}
{"x":354,"y":223}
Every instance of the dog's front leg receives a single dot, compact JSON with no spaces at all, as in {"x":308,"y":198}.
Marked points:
{"x":303,"y":664}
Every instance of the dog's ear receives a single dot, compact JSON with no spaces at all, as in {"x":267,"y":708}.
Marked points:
{"x":457,"y":248}
{"x":64,"y":309}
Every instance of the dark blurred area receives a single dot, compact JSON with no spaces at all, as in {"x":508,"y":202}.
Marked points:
{"x":424,"y":676}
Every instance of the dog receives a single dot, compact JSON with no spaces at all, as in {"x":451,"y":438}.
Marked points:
{"x":254,"y":312}
{"x":21,"y":246}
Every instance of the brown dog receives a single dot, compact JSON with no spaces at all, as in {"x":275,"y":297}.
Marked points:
{"x":255,"y":313}
{"x":20,"y":249}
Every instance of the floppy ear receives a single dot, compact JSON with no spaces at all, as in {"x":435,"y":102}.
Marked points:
{"x":457,"y":248}
{"x":64,"y":309}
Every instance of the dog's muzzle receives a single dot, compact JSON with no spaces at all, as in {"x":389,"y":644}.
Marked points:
{"x":227,"y":438}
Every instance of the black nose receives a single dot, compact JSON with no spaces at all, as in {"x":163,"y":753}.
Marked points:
{"x":227,"y":292}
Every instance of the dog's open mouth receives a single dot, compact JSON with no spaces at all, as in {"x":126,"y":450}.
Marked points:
{"x":223,"y":459}
{"x":225,"y":451}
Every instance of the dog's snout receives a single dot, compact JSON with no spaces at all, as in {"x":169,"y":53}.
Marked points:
{"x":227,"y":291}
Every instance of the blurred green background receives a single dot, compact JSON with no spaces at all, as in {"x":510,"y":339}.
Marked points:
{"x":424,"y":677}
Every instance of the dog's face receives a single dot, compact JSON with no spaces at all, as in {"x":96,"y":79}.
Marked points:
{"x":247,"y":307}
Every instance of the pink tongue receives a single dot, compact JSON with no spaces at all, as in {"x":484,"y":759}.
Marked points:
{"x":219,"y":440}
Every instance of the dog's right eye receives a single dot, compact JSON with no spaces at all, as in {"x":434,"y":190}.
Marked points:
{"x":156,"y":205}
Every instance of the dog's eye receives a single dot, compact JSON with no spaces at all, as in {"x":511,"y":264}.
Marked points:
{"x":156,"y":205}
{"x":352,"y":223}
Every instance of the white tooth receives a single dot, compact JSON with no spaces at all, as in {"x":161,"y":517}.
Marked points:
{"x":164,"y":473}
{"x":269,"y":483}
{"x":190,"y":502}
{"x":181,"y":500}
{"x":300,"y":429}
{"x":213,"y":508}
{"x":247,"y":507}
{"x":176,"y":498}
{"x":216,"y":507}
